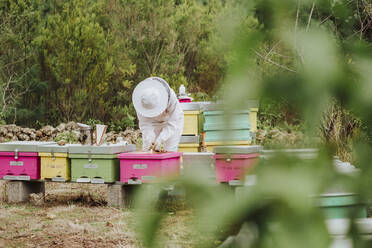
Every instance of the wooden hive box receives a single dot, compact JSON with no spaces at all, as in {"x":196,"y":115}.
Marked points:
{"x":55,"y":163}
{"x":19,"y":160}
{"x":96,"y":164}
{"x":191,"y":113}
{"x":189,"y":144}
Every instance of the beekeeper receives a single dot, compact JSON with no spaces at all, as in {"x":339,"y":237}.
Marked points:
{"x":159,"y":114}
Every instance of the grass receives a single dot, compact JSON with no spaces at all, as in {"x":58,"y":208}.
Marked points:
{"x":69,"y":218}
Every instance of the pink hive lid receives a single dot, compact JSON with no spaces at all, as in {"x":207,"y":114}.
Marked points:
{"x":147,"y":155}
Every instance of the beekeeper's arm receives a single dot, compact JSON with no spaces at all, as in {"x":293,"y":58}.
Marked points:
{"x":172,"y":129}
{"x":147,"y":130}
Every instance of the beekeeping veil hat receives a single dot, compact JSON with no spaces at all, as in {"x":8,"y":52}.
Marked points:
{"x":150,"y":97}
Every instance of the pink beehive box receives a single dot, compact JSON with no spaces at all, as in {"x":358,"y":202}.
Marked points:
{"x":149,"y":167}
{"x":233,"y":162}
{"x":19,"y":160}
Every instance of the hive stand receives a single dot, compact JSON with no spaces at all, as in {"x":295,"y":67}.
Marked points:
{"x":20,"y":191}
{"x":120,"y":195}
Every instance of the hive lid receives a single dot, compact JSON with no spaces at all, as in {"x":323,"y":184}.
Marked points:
{"x":148,"y":155}
{"x":227,"y":126}
{"x":92,"y":156}
{"x":22,"y":146}
{"x":237,"y":149}
{"x":308,"y":153}
{"x":54,"y":148}
{"x":190,"y":139}
{"x":103,"y":149}
{"x":190,"y":106}
{"x":197,"y":154}
{"x":210,"y":106}
{"x":221,"y":112}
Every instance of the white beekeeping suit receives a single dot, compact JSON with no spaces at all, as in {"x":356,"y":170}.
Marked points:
{"x":159,"y":113}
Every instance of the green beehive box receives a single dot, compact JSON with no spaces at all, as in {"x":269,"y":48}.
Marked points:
{"x":96,"y":164}
{"x":228,"y":135}
{"x":220,"y":118}
{"x":97,"y":168}
{"x":220,"y":127}
{"x":341,"y":205}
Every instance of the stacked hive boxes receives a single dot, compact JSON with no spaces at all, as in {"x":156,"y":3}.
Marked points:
{"x":231,"y":129}
{"x":96,"y":164}
{"x":190,"y":140}
{"x":234,"y":162}
{"x":199,"y":165}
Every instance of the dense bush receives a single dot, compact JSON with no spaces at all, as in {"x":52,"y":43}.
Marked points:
{"x":80,"y":60}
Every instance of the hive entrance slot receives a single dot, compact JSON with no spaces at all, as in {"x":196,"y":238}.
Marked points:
{"x":98,"y":180}
{"x":134,"y":180}
{"x":83,"y":179}
{"x":58,"y":179}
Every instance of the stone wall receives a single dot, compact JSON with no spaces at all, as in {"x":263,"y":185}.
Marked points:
{"x":65,"y":132}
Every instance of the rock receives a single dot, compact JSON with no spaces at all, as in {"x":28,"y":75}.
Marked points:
{"x":26,"y":130}
{"x":61,"y":127}
{"x":10,"y":135}
{"x":33,"y":136}
{"x":23,"y":137}
{"x":47,"y":130}
{"x":39,"y":134}
{"x":71,"y":126}
{"x":3,"y":130}
{"x":61,"y":142}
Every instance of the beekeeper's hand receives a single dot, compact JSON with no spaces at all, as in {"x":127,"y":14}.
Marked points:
{"x":158,"y":144}
{"x":148,"y":143}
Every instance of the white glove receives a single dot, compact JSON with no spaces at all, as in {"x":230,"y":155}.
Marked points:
{"x":158,"y":144}
{"x":148,"y":143}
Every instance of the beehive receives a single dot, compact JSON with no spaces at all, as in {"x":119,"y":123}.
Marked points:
{"x":210,"y":146}
{"x":189,"y":144}
{"x":19,"y":160}
{"x":96,"y":164}
{"x":191,"y":113}
{"x":219,"y":126}
{"x":253,"y":119}
{"x":233,"y":162}
{"x":148,"y":167}
{"x":199,"y":164}
{"x":341,"y":205}
{"x":54,"y":163}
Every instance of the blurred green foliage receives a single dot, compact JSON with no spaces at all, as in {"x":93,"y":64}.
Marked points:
{"x":313,"y":57}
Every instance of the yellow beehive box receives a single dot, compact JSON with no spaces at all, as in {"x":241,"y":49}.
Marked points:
{"x":55,"y":166}
{"x":189,"y":147}
{"x":253,"y":118}
{"x":191,"y":111}
{"x":189,"y":143}
{"x":210,"y":145}
{"x":191,"y":123}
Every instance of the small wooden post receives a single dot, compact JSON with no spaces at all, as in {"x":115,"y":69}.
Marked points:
{"x":20,"y":191}
{"x":120,"y":195}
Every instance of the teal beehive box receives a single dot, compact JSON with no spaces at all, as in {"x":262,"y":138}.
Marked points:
{"x":219,"y":126}
{"x":96,"y":164}
{"x":342,"y":205}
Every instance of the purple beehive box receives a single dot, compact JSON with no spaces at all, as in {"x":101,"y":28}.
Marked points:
{"x":19,"y":160}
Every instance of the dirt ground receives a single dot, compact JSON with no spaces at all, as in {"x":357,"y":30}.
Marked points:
{"x":76,"y":215}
